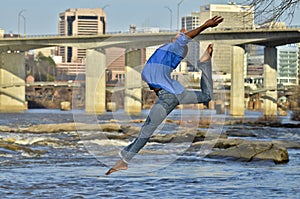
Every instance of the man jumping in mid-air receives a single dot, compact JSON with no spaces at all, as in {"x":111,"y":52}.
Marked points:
{"x":157,"y":74}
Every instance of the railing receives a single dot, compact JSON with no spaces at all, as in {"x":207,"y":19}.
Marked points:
{"x":160,"y":31}
{"x":56,"y":84}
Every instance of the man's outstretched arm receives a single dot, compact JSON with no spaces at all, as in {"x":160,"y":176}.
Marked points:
{"x":210,"y":23}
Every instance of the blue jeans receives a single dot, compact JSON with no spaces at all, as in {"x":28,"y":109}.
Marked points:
{"x":164,"y":105}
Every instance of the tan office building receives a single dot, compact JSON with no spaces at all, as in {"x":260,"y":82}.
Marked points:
{"x":80,"y":21}
{"x":235,"y":17}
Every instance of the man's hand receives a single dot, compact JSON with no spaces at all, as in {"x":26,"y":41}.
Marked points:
{"x":213,"y":22}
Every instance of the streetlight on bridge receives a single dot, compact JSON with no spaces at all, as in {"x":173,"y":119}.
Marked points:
{"x":178,"y":5}
{"x":24,"y":19}
{"x":170,"y":17}
{"x":19,"y":15}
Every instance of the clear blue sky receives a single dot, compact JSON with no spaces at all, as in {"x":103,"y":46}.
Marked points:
{"x":42,"y":15}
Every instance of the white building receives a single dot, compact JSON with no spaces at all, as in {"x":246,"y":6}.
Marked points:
{"x":287,"y":64}
{"x":191,"y":22}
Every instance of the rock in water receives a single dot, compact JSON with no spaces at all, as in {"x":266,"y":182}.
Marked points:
{"x":65,"y":106}
{"x":254,"y":150}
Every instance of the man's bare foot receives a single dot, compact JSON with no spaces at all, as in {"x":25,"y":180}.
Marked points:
{"x":207,"y":54}
{"x":120,"y":165}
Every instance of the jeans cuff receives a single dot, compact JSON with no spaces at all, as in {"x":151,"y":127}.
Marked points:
{"x":123,"y":158}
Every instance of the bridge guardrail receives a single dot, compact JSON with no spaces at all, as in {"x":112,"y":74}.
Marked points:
{"x":70,"y":84}
{"x":160,"y":31}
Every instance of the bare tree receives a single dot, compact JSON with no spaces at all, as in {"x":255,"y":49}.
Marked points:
{"x":267,"y":11}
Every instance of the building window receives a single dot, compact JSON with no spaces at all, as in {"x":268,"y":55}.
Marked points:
{"x":88,"y":17}
{"x":69,"y":58}
{"x":70,"y":20}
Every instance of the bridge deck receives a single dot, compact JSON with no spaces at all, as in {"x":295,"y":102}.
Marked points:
{"x":267,"y":37}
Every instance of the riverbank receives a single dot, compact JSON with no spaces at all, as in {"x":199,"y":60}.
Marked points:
{"x":73,"y":162}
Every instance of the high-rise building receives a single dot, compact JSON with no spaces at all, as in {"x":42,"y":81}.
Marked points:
{"x":255,"y":61}
{"x":287,"y":64}
{"x":76,"y":22}
{"x":235,"y":17}
{"x":115,"y":62}
{"x":189,"y":23}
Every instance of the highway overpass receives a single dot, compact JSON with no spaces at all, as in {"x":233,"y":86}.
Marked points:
{"x":12,"y":64}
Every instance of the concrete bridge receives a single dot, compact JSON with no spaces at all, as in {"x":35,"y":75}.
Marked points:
{"x":12,"y":64}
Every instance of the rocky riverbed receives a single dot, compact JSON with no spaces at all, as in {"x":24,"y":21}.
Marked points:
{"x":234,"y":144}
{"x":45,"y":152}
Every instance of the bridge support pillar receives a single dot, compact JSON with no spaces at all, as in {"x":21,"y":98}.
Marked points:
{"x":270,"y":82}
{"x":133,"y":82}
{"x":237,"y":91}
{"x":12,"y":72}
{"x":95,"y":90}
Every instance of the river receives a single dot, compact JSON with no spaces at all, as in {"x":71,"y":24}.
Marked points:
{"x":68,"y":169}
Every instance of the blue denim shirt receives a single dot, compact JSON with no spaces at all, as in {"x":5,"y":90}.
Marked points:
{"x":157,"y":70}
